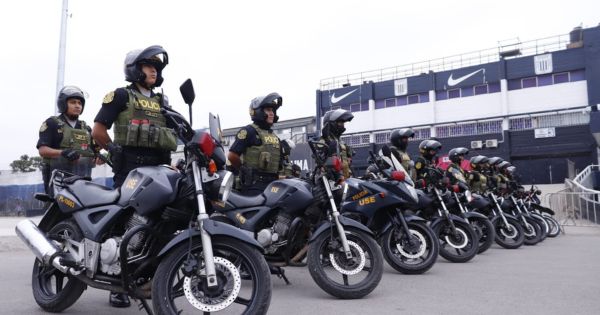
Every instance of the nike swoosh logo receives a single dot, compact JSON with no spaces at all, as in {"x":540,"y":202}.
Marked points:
{"x":453,"y":82}
{"x":341,"y":97}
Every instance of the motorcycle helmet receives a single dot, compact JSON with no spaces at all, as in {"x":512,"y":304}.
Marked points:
{"x":426,"y":146}
{"x":455,"y":154}
{"x":154,"y":55}
{"x":287,"y":146}
{"x":67,"y":92}
{"x":495,"y":160}
{"x":399,"y":137}
{"x":330,"y":120}
{"x":258,"y":104}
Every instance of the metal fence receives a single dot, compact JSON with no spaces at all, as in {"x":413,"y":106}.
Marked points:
{"x":550,"y":120}
{"x":576,"y":208}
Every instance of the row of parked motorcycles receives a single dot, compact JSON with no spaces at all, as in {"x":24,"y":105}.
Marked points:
{"x":182,"y":238}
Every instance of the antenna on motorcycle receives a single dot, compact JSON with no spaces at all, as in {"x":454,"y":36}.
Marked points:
{"x":188,"y":94}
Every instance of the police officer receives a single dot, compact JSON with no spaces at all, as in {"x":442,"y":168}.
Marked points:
{"x":399,"y":139}
{"x":143,"y":135}
{"x":256,"y":152}
{"x":478,"y":181}
{"x":333,"y":128}
{"x":454,"y":170}
{"x":65,"y":142}
{"x":425,"y":164}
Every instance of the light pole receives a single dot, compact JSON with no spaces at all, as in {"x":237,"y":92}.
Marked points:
{"x":60,"y":74}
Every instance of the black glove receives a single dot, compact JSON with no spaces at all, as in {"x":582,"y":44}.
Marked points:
{"x":70,"y":154}
{"x":116,"y":155}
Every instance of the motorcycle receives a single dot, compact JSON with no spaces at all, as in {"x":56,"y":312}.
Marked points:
{"x":295,"y":219}
{"x":531,"y":227}
{"x":479,"y":222}
{"x":509,"y":232}
{"x":533,"y":204}
{"x":150,"y":238}
{"x":408,"y":243}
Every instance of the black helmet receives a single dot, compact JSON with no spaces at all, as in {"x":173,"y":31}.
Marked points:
{"x":502,"y":165}
{"x":154,"y":55}
{"x":511,"y":169}
{"x":495,"y":160}
{"x":287,"y":146}
{"x":397,"y":136}
{"x":455,"y":154}
{"x":479,"y":159}
{"x":67,"y":92}
{"x":427,"y":145}
{"x":257,"y":105}
{"x":330,"y":120}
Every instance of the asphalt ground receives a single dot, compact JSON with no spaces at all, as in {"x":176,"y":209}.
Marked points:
{"x":558,"y":276}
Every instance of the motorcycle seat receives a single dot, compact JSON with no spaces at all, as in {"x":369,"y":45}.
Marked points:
{"x":91,"y":194}
{"x":241,"y":201}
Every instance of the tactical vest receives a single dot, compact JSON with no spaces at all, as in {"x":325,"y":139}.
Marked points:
{"x":457,"y":173}
{"x":142,"y":125}
{"x":78,"y":139}
{"x":405,"y":160}
{"x":345,"y":155}
{"x":421,"y":167}
{"x":478,"y":185}
{"x":263,"y":158}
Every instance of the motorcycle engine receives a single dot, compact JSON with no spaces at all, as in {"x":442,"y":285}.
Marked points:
{"x":109,"y":251}
{"x":274,"y":237}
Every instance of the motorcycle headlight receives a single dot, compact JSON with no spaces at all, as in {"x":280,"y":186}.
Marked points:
{"x":469,"y":196}
{"x":226,"y":185}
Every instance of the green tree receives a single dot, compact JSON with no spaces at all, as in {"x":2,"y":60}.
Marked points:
{"x":25,"y":164}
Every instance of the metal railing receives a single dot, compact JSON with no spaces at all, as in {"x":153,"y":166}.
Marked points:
{"x":469,"y":129}
{"x":572,"y":118}
{"x":382,"y":137}
{"x":528,"y":48}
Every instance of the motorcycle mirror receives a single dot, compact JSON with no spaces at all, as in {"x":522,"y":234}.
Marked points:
{"x":187,"y":92}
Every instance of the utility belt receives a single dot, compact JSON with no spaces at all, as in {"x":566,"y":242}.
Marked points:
{"x":141,"y":133}
{"x":249,"y":176}
{"x":141,"y":159}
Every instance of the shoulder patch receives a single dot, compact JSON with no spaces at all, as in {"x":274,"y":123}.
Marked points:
{"x":43,"y":127}
{"x":109,"y":97}
{"x":418,"y":165}
{"x":242,"y":134}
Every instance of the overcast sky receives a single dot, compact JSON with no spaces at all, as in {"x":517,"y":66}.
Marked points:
{"x":236,"y":50}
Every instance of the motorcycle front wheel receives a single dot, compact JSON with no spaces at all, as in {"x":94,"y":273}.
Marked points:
{"x":414,"y":252}
{"x":486,"y":232}
{"x":511,"y":235}
{"x":342,"y":277}
{"x":457,"y":247}
{"x":243,"y":280}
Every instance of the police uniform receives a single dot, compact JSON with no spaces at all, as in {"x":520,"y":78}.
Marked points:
{"x":456,"y":174}
{"x":478,"y":182}
{"x":422,"y":166}
{"x":403,"y":157}
{"x":57,"y":133}
{"x":260,"y":153}
{"x":146,"y":136}
{"x":345,"y":154}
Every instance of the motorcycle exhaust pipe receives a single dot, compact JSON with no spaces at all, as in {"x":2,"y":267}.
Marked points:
{"x":39,"y":244}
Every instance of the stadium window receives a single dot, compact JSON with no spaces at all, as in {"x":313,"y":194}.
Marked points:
{"x":413,"y":99}
{"x":390,"y":102}
{"x":577,"y":75}
{"x":424,"y":97}
{"x":355,"y":107}
{"x":345,"y":107}
{"x":466,"y":91}
{"x":335,"y":107}
{"x":561,"y":77}
{"x":454,"y":93}
{"x":545,"y":79}
{"x":441,"y":95}
{"x":514,"y":84}
{"x":364,"y":106}
{"x":379,"y":104}
{"x":480,"y":89}
{"x":529,"y":82}
{"x":400,"y":101}
{"x":494,"y":87}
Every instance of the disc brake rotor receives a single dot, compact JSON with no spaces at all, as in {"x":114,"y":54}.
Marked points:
{"x":457,"y":242}
{"x":422,"y":247}
{"x":208,"y":302}
{"x":509,"y":228}
{"x":348,"y":266}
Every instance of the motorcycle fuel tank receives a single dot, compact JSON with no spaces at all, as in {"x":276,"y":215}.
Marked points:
{"x":149,"y":188}
{"x":291,"y":194}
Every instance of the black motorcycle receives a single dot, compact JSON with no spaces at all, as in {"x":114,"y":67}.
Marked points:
{"x":408,"y":243}
{"x":531,"y":227}
{"x":509,"y":232}
{"x":462,"y":200}
{"x":151,"y":238}
{"x":530,"y":201}
{"x":293,"y":219}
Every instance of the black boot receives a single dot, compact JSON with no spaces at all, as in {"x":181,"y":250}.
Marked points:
{"x":119,"y":300}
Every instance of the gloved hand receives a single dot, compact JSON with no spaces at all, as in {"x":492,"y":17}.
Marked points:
{"x":70,"y":154}
{"x":115,"y":152}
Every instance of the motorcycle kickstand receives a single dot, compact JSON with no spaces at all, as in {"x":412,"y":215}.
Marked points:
{"x":144,"y":305}
{"x":279,"y":272}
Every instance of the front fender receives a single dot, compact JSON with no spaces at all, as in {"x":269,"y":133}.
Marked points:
{"x":407,"y":218}
{"x":474,"y":215}
{"x":213,"y":228}
{"x":496,"y":218}
{"x":51,"y":217}
{"x":439,"y":220}
{"x":345,"y":221}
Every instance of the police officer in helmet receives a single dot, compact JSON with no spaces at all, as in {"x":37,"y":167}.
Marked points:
{"x":65,"y":142}
{"x":333,"y":127}
{"x":399,"y":139}
{"x":425,"y":165}
{"x":256,"y":152}
{"x":142,"y":134}
{"x":455,"y":171}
